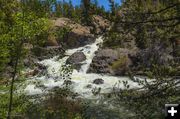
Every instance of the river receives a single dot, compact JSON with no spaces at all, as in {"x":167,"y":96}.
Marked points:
{"x":82,"y":82}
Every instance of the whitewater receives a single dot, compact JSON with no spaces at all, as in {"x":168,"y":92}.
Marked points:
{"x":82,"y":82}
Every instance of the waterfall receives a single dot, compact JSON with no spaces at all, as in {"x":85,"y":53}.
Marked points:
{"x":82,"y":82}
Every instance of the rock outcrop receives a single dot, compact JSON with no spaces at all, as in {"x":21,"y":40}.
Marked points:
{"x":112,"y":61}
{"x":48,"y":52}
{"x":160,"y":55}
{"x":101,"y":25}
{"x":78,"y":36}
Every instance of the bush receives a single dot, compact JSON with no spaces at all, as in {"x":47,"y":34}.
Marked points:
{"x":121,"y":62}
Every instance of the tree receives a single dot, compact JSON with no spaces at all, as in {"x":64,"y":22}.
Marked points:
{"x":86,"y":14}
{"x":58,"y":9}
{"x":113,"y":9}
{"x":149,"y":100}
{"x":153,"y":25}
{"x":148,"y":22}
{"x":6,"y":20}
{"x":22,"y":27}
{"x":71,"y":10}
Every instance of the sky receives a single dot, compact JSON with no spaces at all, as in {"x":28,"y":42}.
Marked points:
{"x":104,"y":3}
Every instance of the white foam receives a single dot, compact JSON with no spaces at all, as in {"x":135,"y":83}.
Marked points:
{"x":79,"y":78}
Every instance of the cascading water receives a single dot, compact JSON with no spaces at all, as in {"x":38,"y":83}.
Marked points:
{"x":80,"y":79}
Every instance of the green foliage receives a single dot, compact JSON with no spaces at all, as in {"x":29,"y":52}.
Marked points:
{"x":61,"y":33}
{"x":148,"y":101}
{"x":56,"y":105}
{"x":113,"y":9}
{"x":148,"y":22}
{"x":52,"y":105}
{"x":25,"y":27}
{"x":152,"y":25}
{"x":119,"y":63}
{"x":6,"y":19}
{"x":38,"y":7}
{"x":114,"y":39}
{"x":86,"y":12}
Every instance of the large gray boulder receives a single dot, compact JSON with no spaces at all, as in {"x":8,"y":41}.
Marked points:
{"x":111,"y":61}
{"x":76,"y":58}
{"x":98,"y":81}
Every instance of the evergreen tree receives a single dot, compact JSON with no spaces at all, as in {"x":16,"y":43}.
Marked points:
{"x":86,"y":13}
{"x":112,"y":6}
{"x":20,"y":25}
{"x":58,"y":7}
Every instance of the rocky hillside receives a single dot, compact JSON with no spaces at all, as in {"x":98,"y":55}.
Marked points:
{"x":80,"y":35}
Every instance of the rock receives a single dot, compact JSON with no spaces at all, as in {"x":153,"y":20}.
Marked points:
{"x":78,"y":36}
{"x":67,"y":82}
{"x":52,"y":41}
{"x":102,"y":60}
{"x":98,"y":81}
{"x":112,"y":61}
{"x":101,"y":24}
{"x":32,"y":72}
{"x":121,"y":66}
{"x":159,"y":54}
{"x":47,"y":52}
{"x":76,"y":58}
{"x":75,"y":40}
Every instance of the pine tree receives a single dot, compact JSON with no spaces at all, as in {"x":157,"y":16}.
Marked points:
{"x":86,"y":13}
{"x":19,"y":25}
{"x":112,"y":6}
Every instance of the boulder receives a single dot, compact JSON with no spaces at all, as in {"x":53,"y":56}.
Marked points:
{"x":78,"y":35}
{"x":42,"y":53}
{"x":100,"y":63}
{"x":75,"y":40}
{"x":76,"y":58}
{"x":112,"y":61}
{"x":98,"y":81}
